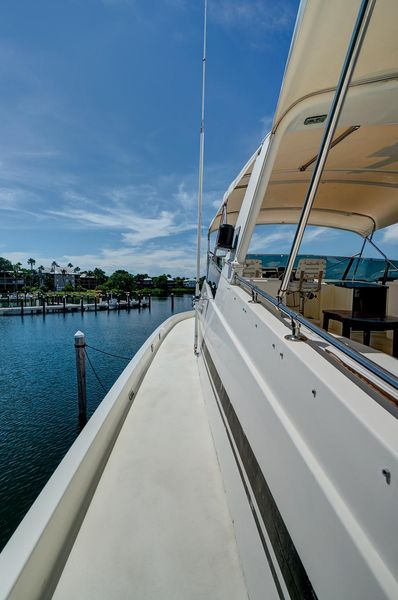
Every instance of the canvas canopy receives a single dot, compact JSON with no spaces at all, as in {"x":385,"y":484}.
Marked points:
{"x":358,"y":191}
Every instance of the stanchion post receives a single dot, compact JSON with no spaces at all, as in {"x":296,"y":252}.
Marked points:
{"x":80,"y":343}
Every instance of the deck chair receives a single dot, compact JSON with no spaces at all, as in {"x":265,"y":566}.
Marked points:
{"x":307,"y":279}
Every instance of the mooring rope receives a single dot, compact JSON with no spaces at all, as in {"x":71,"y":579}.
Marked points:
{"x":94,"y":371}
{"x":108,"y":353}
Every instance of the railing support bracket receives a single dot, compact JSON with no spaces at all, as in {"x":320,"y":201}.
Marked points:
{"x":295,"y":335}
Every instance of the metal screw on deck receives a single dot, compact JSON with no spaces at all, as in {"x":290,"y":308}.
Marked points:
{"x":80,"y":343}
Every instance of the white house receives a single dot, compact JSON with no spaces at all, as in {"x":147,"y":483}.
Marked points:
{"x":61,"y":276}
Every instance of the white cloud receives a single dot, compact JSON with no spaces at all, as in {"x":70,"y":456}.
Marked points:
{"x":280,"y":241}
{"x":139,"y":229}
{"x":390,"y":234}
{"x":216,"y":204}
{"x":185,"y":198}
{"x":176,"y":260}
{"x":314,"y":233}
{"x":258,"y":14}
{"x":266,"y":122}
{"x":276,"y":240}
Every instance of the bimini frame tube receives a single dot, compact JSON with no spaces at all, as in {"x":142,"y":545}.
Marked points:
{"x":358,"y":35}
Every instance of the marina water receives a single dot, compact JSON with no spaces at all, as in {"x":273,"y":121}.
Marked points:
{"x":38,"y":392}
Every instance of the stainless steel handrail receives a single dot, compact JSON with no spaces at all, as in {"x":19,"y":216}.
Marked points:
{"x":347,"y":70}
{"x":368,"y":364}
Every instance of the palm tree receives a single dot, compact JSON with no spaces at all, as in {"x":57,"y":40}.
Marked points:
{"x":64,"y":272}
{"x":16,"y":269}
{"x":40,"y":269}
{"x":31,"y":262}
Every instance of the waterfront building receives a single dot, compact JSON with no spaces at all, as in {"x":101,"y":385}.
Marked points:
{"x":86,"y":281}
{"x":190,"y":283}
{"x":11,"y":281}
{"x":60,"y":276}
{"x":170,"y":282}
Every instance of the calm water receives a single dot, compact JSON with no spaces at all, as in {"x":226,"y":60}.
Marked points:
{"x":38,"y":398}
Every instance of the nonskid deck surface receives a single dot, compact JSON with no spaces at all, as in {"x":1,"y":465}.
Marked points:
{"x":158,"y":525}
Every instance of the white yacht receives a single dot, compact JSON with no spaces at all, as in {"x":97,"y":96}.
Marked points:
{"x":265,"y":463}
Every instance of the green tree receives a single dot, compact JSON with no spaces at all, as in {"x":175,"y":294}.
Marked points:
{"x":16,"y":268}
{"x":40,"y":272}
{"x":160,"y":282}
{"x":68,"y":287}
{"x":179,"y":282}
{"x":100,"y":276}
{"x":31,"y":262}
{"x":121,"y":280}
{"x":5,"y":265}
{"x":64,"y":272}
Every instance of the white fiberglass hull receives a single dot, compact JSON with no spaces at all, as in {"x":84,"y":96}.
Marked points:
{"x":316,"y":448}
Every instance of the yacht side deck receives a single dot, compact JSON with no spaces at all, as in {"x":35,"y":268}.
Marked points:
{"x":158,"y":524}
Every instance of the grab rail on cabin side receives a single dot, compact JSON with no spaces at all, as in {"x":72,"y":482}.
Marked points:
{"x":368,"y":364}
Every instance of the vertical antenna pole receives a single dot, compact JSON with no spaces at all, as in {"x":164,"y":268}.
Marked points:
{"x":201,"y":163}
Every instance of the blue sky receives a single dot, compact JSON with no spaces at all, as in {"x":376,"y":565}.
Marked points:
{"x":99,"y":124}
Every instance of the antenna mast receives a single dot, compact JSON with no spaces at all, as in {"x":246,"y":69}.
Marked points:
{"x":201,"y":163}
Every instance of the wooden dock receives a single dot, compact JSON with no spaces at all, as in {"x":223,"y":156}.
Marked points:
{"x":45,"y":308}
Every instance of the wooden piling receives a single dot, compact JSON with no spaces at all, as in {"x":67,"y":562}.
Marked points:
{"x":21,"y":307}
{"x":149,"y":301}
{"x":64,"y":304}
{"x":80,"y":343}
{"x":95,"y":303}
{"x":81,"y":304}
{"x":172,"y":300}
